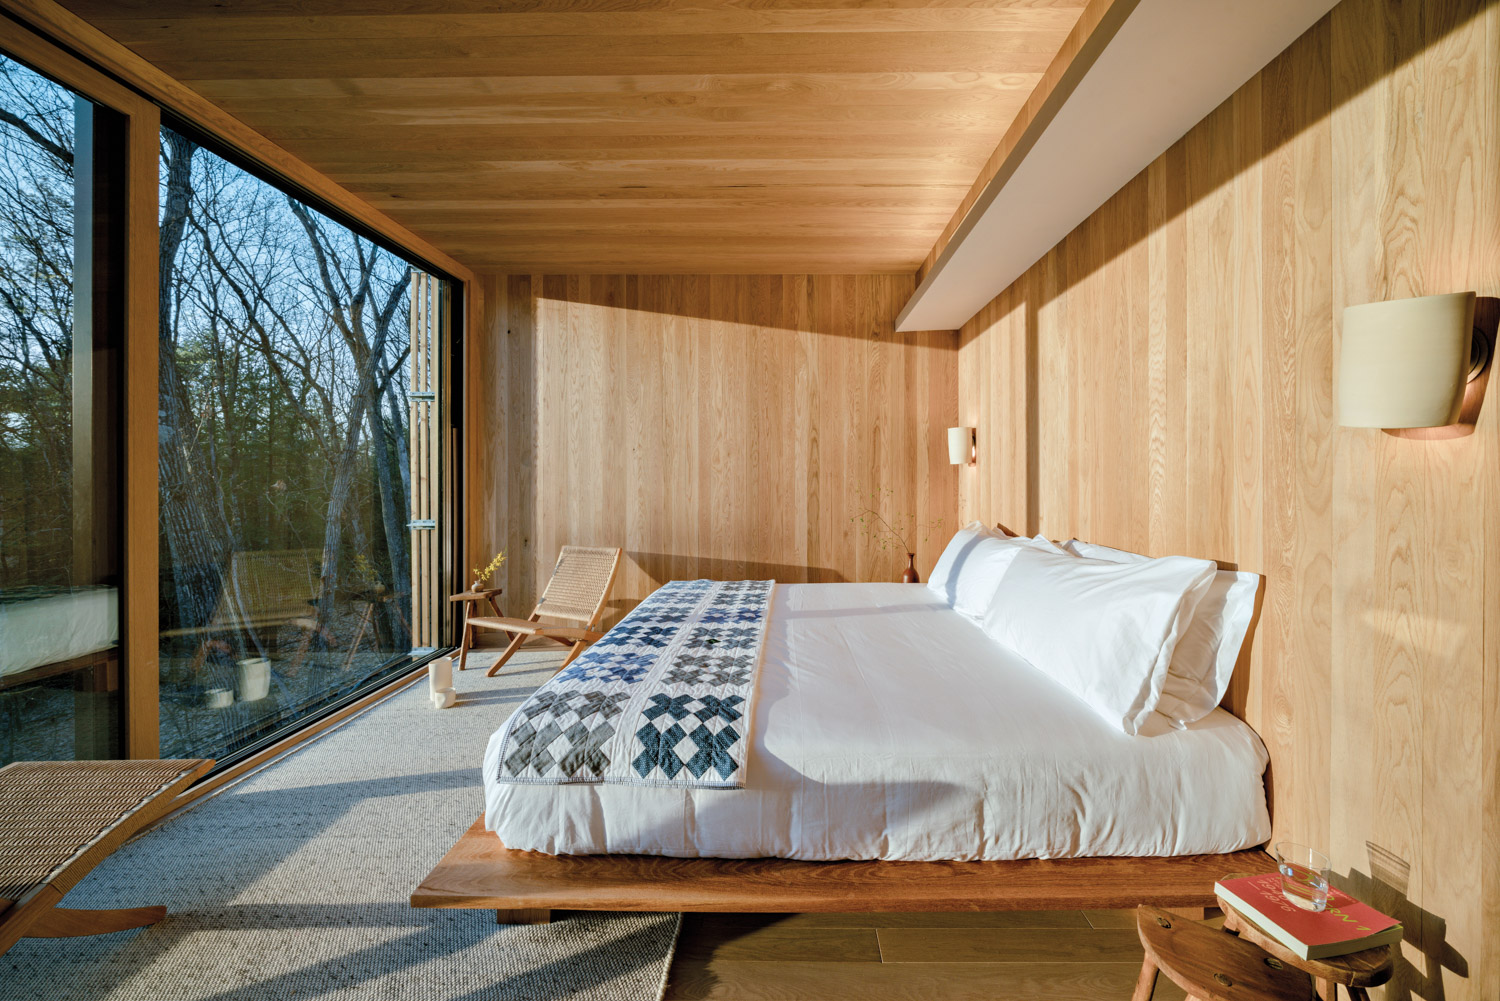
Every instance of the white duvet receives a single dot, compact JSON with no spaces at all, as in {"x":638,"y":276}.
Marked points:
{"x":60,"y":627}
{"x":888,"y":726}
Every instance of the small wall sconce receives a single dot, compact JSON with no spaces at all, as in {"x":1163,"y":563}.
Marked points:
{"x":963,"y":446}
{"x":1406,"y":363}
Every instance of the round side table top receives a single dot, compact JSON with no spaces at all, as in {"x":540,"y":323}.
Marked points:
{"x":1212,"y":965}
{"x":1369,"y":968}
{"x":488,"y":592}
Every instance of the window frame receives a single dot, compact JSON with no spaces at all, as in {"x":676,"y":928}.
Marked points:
{"x":142,"y":116}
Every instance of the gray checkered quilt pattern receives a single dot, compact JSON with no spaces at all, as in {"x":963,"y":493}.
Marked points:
{"x":663,"y":699}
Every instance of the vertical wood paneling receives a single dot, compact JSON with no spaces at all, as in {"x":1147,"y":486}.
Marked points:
{"x":721,"y":426}
{"x":1486,"y":116}
{"x":1184,"y":404}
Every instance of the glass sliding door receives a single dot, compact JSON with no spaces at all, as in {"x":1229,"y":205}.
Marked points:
{"x":60,"y":329}
{"x":299,"y":459}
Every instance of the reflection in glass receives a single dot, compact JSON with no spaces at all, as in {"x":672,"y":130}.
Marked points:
{"x":286,"y":455}
{"x":59,"y":499}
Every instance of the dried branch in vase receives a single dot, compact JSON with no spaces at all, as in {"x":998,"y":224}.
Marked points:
{"x":899,"y":529}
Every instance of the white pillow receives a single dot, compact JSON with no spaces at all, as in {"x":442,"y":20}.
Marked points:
{"x":1205,"y":657}
{"x":973,"y":563}
{"x":955,"y":553}
{"x":1105,"y":631}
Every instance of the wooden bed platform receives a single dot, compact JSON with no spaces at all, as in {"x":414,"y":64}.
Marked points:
{"x":481,"y":873}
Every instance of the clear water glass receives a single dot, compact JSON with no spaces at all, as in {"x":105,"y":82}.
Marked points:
{"x":1304,"y":875}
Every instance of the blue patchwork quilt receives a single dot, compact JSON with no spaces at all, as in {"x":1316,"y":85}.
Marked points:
{"x":664,"y":699}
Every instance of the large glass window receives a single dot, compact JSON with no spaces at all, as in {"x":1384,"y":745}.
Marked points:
{"x":59,"y":413}
{"x":299,"y":468}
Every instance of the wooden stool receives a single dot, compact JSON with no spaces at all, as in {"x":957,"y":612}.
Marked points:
{"x":470,"y":599}
{"x":1211,"y":965}
{"x":1356,"y":971}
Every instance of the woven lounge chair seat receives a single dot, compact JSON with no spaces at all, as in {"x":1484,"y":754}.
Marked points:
{"x":59,"y":819}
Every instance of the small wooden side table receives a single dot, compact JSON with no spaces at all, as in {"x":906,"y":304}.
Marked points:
{"x":1356,"y":971}
{"x":1211,"y":965}
{"x":470,"y":599}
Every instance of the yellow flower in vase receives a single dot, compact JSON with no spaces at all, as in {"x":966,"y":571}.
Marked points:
{"x":482,"y":577}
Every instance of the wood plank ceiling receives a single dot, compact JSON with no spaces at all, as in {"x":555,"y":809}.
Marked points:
{"x":626,"y":135}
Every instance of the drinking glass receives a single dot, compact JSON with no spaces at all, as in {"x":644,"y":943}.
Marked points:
{"x":1304,"y":875}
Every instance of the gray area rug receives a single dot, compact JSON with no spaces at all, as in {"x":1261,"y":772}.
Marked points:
{"x":294,"y":883}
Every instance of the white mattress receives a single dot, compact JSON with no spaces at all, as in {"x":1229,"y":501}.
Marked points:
{"x":58,"y":627}
{"x":888,"y":726}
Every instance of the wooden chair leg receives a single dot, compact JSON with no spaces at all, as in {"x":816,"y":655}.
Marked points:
{"x":65,"y":922}
{"x":1145,"y":984}
{"x":515,"y":645}
{"x":463,"y":645}
{"x":525,"y":916}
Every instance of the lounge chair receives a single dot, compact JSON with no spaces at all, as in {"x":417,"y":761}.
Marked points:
{"x":260,"y":592}
{"x":59,"y":819}
{"x":577,"y":592}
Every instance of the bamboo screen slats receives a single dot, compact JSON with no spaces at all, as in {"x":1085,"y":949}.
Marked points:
{"x":424,"y":453}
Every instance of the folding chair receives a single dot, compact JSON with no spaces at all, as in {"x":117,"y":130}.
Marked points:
{"x":579,"y":587}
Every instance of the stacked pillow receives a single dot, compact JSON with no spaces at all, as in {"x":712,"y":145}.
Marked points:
{"x":1204,"y":659}
{"x":973,"y":564}
{"x":1127,"y":634}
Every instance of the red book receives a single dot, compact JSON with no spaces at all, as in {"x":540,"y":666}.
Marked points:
{"x":1344,"y":926}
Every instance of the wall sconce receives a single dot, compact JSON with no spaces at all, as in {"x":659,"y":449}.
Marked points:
{"x":1406,"y":363}
{"x":963,"y":446}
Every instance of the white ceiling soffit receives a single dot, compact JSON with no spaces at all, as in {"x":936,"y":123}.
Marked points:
{"x":1168,"y":65}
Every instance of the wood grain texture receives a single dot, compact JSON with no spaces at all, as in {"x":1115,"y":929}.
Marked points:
{"x":1093,"y":30}
{"x":1213,"y":965}
{"x":479,"y":872}
{"x":724,"y":427}
{"x":632,"y":136}
{"x":731,"y":980}
{"x":773,"y":941}
{"x":721,"y":965}
{"x":1177,"y":397}
{"x":729,"y":923}
{"x":1009,"y":945}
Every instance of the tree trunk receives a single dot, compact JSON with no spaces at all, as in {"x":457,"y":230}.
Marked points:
{"x":199,"y":538}
{"x":391,"y":506}
{"x":338,"y":499}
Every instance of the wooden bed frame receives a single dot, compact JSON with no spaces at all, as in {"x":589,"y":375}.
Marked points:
{"x":480,"y":873}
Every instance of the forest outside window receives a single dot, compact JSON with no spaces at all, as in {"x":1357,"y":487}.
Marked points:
{"x":300,"y":472}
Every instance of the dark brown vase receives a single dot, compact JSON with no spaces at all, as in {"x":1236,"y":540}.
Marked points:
{"x":909,"y":575}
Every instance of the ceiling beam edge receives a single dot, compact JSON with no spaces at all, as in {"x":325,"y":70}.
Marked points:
{"x":1096,"y":27}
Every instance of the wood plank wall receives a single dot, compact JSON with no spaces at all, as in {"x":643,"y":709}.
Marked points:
{"x":722,"y":426}
{"x":1162,"y":381}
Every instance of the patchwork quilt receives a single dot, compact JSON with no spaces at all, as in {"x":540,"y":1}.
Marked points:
{"x":664,"y":699}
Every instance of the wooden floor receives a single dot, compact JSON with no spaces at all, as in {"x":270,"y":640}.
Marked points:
{"x":1018,"y":955}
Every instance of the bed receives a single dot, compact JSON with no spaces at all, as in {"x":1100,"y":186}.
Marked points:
{"x":889,"y":726}
{"x":44,"y":627}
{"x":1037,"y":729}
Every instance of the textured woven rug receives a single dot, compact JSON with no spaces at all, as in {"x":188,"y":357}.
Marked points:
{"x":293,"y":883}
